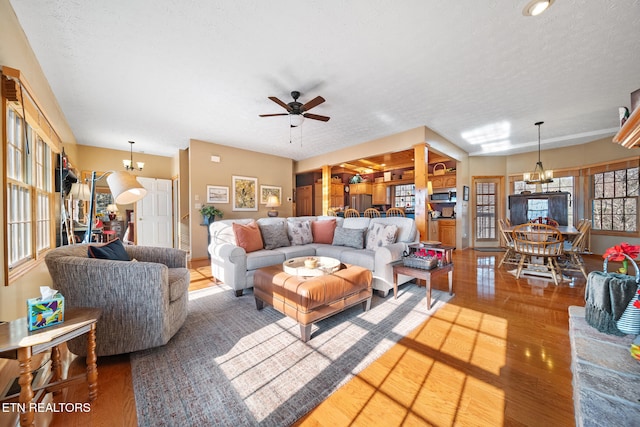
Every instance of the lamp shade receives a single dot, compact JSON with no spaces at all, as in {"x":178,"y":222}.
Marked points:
{"x":112,"y":207}
{"x":273,"y":201}
{"x":125,"y":188}
{"x":80,"y":191}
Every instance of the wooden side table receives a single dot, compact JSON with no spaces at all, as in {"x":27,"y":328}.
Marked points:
{"x":419,"y":273}
{"x":17,"y":342}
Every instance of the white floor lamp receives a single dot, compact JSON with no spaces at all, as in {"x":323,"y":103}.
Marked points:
{"x":124,"y":187}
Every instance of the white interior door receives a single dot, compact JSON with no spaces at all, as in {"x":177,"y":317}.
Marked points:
{"x":154,"y":213}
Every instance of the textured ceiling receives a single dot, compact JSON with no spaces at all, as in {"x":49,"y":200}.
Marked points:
{"x":161,"y":72}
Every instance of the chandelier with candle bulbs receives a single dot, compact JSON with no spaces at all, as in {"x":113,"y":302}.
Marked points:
{"x":539,"y":174}
{"x":128,"y":163}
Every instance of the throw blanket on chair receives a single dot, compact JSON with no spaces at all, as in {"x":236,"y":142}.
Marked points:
{"x":607,"y":296}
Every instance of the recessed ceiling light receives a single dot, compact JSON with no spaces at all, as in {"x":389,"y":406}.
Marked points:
{"x":536,"y":7}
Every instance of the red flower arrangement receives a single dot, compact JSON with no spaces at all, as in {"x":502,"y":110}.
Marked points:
{"x":618,"y":252}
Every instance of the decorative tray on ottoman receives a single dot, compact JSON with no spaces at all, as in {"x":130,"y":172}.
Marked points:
{"x":305,"y":266}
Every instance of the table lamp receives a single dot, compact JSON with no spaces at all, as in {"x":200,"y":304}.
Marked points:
{"x":273,"y":202}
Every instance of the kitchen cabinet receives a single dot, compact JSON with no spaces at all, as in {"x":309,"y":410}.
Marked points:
{"x":361,"y":188}
{"x":433,"y":230}
{"x":443,"y":181}
{"x":381,"y":194}
{"x":336,"y":196}
{"x":447,"y":231}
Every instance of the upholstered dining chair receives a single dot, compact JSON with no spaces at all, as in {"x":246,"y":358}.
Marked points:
{"x":540,"y":245}
{"x":395,"y":212}
{"x":372,"y":213}
{"x":351,"y":213}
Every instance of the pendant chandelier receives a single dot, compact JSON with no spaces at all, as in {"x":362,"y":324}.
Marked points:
{"x":539,"y":175}
{"x":128,"y":163}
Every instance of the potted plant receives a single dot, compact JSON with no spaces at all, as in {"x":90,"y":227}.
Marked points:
{"x":209,"y":213}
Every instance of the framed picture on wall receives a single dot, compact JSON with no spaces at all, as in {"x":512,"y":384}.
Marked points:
{"x":268,"y":190}
{"x":245,"y":193}
{"x":216,"y":194}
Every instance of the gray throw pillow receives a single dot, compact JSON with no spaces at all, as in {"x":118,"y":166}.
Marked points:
{"x":352,"y":237}
{"x":274,"y":235}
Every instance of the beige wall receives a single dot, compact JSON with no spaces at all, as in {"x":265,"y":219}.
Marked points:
{"x":15,"y":52}
{"x":270,"y":170}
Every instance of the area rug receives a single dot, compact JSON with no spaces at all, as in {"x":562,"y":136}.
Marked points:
{"x":233,"y":365}
{"x":606,"y":379}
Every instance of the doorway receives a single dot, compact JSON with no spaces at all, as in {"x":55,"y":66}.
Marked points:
{"x":154,"y":225}
{"x":487,"y":207}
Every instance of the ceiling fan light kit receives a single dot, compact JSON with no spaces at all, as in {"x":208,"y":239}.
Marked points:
{"x":297,"y":111}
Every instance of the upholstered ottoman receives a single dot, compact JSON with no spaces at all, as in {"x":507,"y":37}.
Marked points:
{"x":310,"y":299}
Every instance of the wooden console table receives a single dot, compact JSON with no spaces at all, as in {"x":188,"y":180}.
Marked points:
{"x":16,"y":342}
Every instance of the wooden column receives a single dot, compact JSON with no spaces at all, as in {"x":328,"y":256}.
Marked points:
{"x":326,"y":188}
{"x":421,"y":178}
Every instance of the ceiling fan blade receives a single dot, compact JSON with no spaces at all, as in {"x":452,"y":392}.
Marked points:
{"x":280,"y":103}
{"x":271,"y":115}
{"x":316,"y":117}
{"x":313,"y":103}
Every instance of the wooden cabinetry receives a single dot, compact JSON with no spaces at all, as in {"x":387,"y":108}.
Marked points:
{"x":381,"y":194}
{"x":524,"y":207}
{"x":304,"y":200}
{"x":629,"y":134}
{"x":447,"y":231}
{"x":360,"y":188}
{"x":433,"y":230}
{"x":336,"y":196}
{"x":117,"y":226}
{"x":443,"y":181}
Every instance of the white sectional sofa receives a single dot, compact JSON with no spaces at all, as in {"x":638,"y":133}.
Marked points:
{"x":231,"y":264}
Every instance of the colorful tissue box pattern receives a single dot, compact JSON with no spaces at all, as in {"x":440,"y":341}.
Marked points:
{"x":43,"y":313}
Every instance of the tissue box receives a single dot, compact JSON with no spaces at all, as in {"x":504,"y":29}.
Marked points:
{"x":42,"y":313}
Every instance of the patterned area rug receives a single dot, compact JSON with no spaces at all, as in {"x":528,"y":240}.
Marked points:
{"x":233,"y":365}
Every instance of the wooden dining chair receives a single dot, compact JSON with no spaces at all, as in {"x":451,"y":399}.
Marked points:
{"x":545,"y":220}
{"x":573,"y":261}
{"x":510,"y":256}
{"x":372,"y":213}
{"x":351,"y":213}
{"x":540,"y":245}
{"x":395,"y":212}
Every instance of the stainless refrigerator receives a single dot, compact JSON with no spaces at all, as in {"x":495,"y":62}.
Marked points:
{"x":360,"y":202}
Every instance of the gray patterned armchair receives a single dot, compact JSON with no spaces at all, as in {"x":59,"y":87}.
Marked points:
{"x":143,"y":302}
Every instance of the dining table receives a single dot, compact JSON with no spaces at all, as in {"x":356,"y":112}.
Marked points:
{"x":569,"y":232}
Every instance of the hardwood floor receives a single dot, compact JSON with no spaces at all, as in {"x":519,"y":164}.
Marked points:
{"x":497,"y":354}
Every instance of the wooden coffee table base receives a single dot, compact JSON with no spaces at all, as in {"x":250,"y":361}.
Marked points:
{"x":419,"y":273}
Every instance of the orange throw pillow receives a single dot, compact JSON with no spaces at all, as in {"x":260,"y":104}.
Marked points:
{"x":323,"y":231}
{"x":248,"y":236}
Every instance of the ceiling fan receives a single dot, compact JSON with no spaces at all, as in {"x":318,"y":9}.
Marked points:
{"x":296,"y":108}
